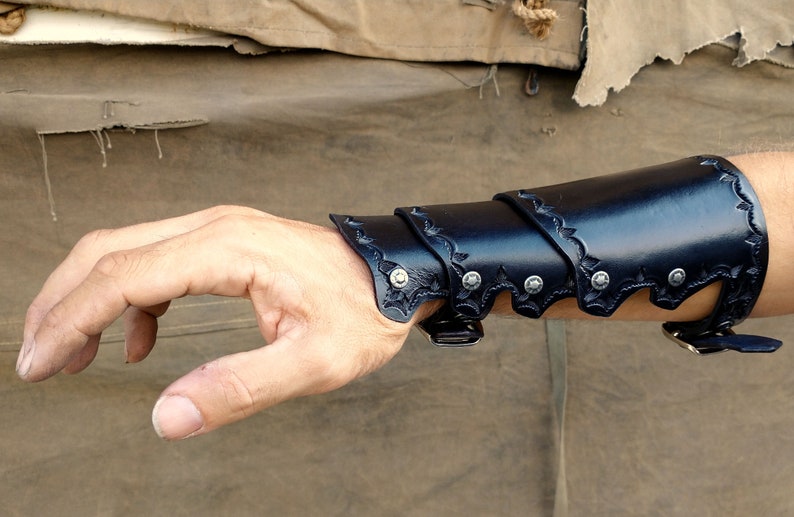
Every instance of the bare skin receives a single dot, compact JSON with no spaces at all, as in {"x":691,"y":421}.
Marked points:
{"x":289,"y":271}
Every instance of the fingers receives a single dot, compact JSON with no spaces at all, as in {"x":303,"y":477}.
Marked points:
{"x":289,"y":271}
{"x":140,"y":331}
{"x":91,"y":248}
{"x":148,"y":276}
{"x":338,"y":338}
{"x":84,"y":357}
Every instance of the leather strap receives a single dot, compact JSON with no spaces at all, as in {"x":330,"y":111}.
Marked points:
{"x":557,"y":345}
{"x":672,"y":229}
{"x":405,"y":273}
{"x":489,"y":249}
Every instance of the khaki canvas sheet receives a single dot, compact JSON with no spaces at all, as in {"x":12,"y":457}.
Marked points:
{"x":617,"y":37}
{"x":624,"y":36}
{"x":415,"y":30}
{"x":650,"y":430}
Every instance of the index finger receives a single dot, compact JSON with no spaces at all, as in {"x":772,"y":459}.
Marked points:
{"x":95,"y":245}
{"x":141,"y":277}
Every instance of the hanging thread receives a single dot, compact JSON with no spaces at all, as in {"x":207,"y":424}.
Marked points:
{"x":159,"y":149}
{"x":50,"y":197}
{"x":100,"y":141}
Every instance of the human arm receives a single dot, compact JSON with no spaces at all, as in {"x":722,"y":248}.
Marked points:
{"x":671,"y":230}
{"x":313,"y":297}
{"x":302,"y":280}
{"x":772,"y":176}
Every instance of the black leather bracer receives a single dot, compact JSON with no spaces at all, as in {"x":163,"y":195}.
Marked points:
{"x":672,"y":229}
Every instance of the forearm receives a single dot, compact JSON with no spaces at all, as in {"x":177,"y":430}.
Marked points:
{"x":771,"y":177}
{"x":330,"y":317}
{"x":629,"y":230}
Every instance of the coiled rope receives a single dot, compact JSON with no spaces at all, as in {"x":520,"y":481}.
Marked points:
{"x":538,"y":19}
{"x":11,"y":21}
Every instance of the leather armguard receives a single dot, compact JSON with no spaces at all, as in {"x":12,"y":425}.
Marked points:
{"x":672,"y":229}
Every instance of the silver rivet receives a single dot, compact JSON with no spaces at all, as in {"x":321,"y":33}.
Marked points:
{"x":600,"y":280}
{"x":533,"y":284}
{"x":398,"y":278}
{"x":472,"y":280}
{"x":676,"y":277}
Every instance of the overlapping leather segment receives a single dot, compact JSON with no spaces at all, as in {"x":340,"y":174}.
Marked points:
{"x":672,"y":229}
{"x":488,"y":248}
{"x":697,"y":217}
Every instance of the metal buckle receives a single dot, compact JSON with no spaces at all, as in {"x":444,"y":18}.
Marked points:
{"x":446,"y":328}
{"x":675,"y":336}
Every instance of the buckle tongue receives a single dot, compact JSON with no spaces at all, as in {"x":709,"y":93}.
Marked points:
{"x":446,"y":328}
{"x":719,"y":341}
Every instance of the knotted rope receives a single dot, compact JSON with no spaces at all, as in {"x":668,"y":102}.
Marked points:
{"x":11,"y":21}
{"x":537,"y":18}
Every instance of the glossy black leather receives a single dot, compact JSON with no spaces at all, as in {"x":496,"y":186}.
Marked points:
{"x":672,"y":229}
{"x":387,"y":243}
{"x":492,"y":239}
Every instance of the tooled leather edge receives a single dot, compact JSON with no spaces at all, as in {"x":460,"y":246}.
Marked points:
{"x":396,"y":304}
{"x":737,"y":300}
{"x":464,"y":299}
{"x":592,"y":300}
{"x":461,"y":297}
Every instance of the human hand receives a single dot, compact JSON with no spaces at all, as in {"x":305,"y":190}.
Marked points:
{"x":312,"y":295}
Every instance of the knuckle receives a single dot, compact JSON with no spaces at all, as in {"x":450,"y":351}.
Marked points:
{"x":220,"y":211}
{"x":233,"y":225}
{"x":93,"y":240}
{"x":230,"y":222}
{"x":113,"y":264}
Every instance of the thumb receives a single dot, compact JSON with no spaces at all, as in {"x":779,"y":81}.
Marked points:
{"x":236,"y":386}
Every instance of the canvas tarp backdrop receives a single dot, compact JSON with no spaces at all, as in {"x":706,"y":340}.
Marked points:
{"x":103,"y":136}
{"x":619,"y":36}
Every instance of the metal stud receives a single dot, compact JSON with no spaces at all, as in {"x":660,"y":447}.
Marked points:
{"x":533,"y":284}
{"x":472,"y":280}
{"x":398,"y":278}
{"x":676,"y":277}
{"x":600,"y":280}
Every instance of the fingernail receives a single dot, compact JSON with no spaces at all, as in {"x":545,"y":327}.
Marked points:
{"x":175,"y":417}
{"x":25,"y":359}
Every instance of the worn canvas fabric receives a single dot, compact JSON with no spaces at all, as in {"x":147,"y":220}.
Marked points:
{"x":407,"y":109}
{"x":416,"y":30}
{"x":623,"y":37}
{"x":90,"y":138}
{"x":617,"y":37}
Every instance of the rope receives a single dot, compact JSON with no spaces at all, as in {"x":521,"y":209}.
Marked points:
{"x":537,"y":18}
{"x":11,"y":21}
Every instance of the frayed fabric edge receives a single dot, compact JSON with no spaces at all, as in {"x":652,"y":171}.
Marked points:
{"x":593,"y":88}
